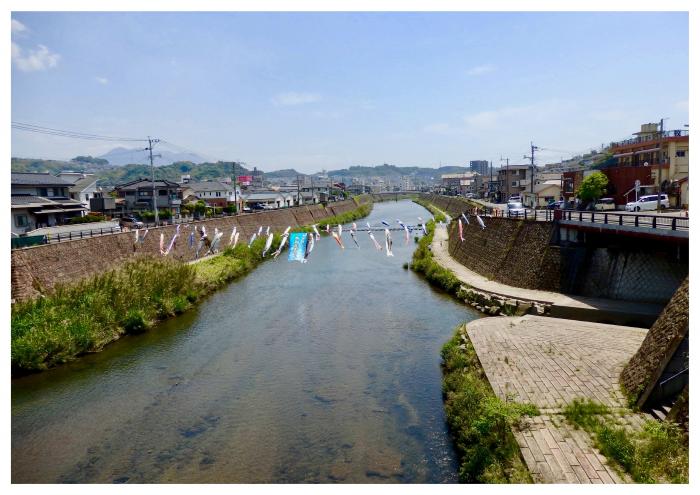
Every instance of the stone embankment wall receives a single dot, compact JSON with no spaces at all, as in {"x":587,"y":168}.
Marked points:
{"x":38,"y":269}
{"x":527,"y":254}
{"x":647,"y":366}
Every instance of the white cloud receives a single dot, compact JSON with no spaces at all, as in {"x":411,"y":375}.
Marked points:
{"x":291,"y":98}
{"x":480,"y":70}
{"x":102,"y":80}
{"x":29,"y":60}
{"x":548,"y":111}
{"x":18,"y":27}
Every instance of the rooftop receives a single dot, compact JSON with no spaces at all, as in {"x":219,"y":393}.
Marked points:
{"x":37,"y":179}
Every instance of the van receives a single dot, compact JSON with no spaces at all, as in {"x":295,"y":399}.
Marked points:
{"x":605,"y":204}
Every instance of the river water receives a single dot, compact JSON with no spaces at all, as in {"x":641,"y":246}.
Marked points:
{"x":321,"y":372}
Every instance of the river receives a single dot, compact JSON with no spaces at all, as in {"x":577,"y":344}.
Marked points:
{"x":321,"y":372}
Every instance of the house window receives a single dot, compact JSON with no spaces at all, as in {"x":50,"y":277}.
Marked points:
{"x":21,"y":221}
{"x":162,"y":192}
{"x":56,"y":191}
{"x":87,"y":197}
{"x":218,"y":194}
{"x":514,"y":183}
{"x":680,"y":153}
{"x":144,"y":193}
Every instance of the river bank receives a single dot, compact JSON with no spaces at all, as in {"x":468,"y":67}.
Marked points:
{"x":85,"y":317}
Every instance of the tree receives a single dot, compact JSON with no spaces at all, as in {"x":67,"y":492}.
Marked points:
{"x":592,"y":187}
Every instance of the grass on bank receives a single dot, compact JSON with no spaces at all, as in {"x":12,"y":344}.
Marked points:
{"x":479,"y":421}
{"x":424,"y":263}
{"x":658,"y":453}
{"x":86,"y":316}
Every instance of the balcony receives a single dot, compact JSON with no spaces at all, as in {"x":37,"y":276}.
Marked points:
{"x":651,"y":138}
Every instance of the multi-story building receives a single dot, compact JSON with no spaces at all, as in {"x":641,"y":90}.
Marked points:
{"x":41,"y":200}
{"x":84,"y":186}
{"x":513,"y":180}
{"x":137,"y":196}
{"x":464,"y":183}
{"x":481,"y":167}
{"x":658,"y":160}
{"x":407,"y":183}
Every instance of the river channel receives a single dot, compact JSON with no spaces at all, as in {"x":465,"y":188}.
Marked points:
{"x":327,"y":371}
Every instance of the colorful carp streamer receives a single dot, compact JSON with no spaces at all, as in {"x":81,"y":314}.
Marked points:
{"x":377,"y":246}
{"x":318,"y":236}
{"x":309,"y":247}
{"x":268,"y":243}
{"x":162,"y":240}
{"x":190,"y":239}
{"x":481,"y":222}
{"x":461,"y":237}
{"x":337,"y":239}
{"x":465,"y":218}
{"x":297,"y":246}
{"x":388,"y":242}
{"x":354,"y":239}
{"x":252,"y":238}
{"x":139,"y":239}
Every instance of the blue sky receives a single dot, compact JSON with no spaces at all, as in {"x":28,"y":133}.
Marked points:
{"x":314,"y":91}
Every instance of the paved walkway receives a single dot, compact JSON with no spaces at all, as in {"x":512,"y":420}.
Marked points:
{"x":441,"y":254}
{"x":549,"y":362}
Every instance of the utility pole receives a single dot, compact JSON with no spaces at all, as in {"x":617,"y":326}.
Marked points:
{"x":532,"y":168}
{"x":298,"y":190}
{"x":490,"y":181}
{"x":507,"y":181}
{"x":151,"y":142}
{"x":235,"y":195}
{"x":658,"y":174}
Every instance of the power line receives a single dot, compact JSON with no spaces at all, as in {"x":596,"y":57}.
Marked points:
{"x":22,"y":126}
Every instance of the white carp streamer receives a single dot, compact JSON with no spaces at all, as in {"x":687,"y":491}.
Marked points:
{"x":233,"y":234}
{"x":214,"y":248}
{"x":267,"y":231}
{"x":235,"y":239}
{"x":253,"y":237}
{"x":377,"y":246}
{"x":282,"y":243}
{"x":422,"y":224}
{"x":268,"y":243}
{"x":340,"y":230}
{"x":172,"y":241}
{"x":481,"y":222}
{"x":318,"y":236}
{"x":286,"y":231}
{"x":465,"y":218}
{"x":260,"y":231}
{"x":388,"y":242}
{"x":162,"y":240}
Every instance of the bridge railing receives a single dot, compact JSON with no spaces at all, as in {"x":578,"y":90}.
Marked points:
{"x":625,"y":219}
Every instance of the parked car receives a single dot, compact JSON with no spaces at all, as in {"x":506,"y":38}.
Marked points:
{"x":515,"y":209}
{"x":130,"y":222}
{"x":246,"y":209}
{"x":556,"y":205}
{"x":648,"y":202}
{"x":604,"y":204}
{"x":514,"y":198}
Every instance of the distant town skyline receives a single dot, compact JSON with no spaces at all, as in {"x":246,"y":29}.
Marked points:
{"x":316,"y":91}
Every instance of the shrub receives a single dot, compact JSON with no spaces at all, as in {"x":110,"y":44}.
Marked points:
{"x":135,"y":322}
{"x":86,"y":219}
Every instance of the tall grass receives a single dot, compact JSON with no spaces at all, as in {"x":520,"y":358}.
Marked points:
{"x":424,"y":263}
{"x":438,"y":214}
{"x":658,"y":453}
{"x":479,"y":421}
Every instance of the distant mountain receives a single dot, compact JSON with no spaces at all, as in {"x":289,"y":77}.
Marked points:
{"x":287,"y":173}
{"x":139,"y":156}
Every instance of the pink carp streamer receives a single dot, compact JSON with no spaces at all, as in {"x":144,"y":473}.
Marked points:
{"x":162,"y":240}
{"x":337,"y":239}
{"x":461,"y":237}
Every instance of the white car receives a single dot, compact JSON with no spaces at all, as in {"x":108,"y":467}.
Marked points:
{"x":515,"y":210}
{"x":605,"y":204}
{"x":646,"y":203}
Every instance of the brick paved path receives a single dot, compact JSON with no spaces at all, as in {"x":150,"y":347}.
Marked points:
{"x":549,"y":362}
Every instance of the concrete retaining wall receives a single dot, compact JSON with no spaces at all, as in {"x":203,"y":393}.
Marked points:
{"x":37,"y":269}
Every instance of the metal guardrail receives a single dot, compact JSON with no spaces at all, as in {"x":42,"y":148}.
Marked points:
{"x":628,"y":219}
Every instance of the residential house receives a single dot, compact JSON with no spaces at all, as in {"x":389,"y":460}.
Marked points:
{"x":213,"y":193}
{"x":513,"y":180}
{"x":268,"y":199}
{"x":40,"y":200}
{"x":543,"y":193}
{"x":466,"y":182}
{"x":137,"y":196}
{"x":84,"y":186}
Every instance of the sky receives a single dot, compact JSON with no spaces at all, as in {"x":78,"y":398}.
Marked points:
{"x":316,"y":91}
